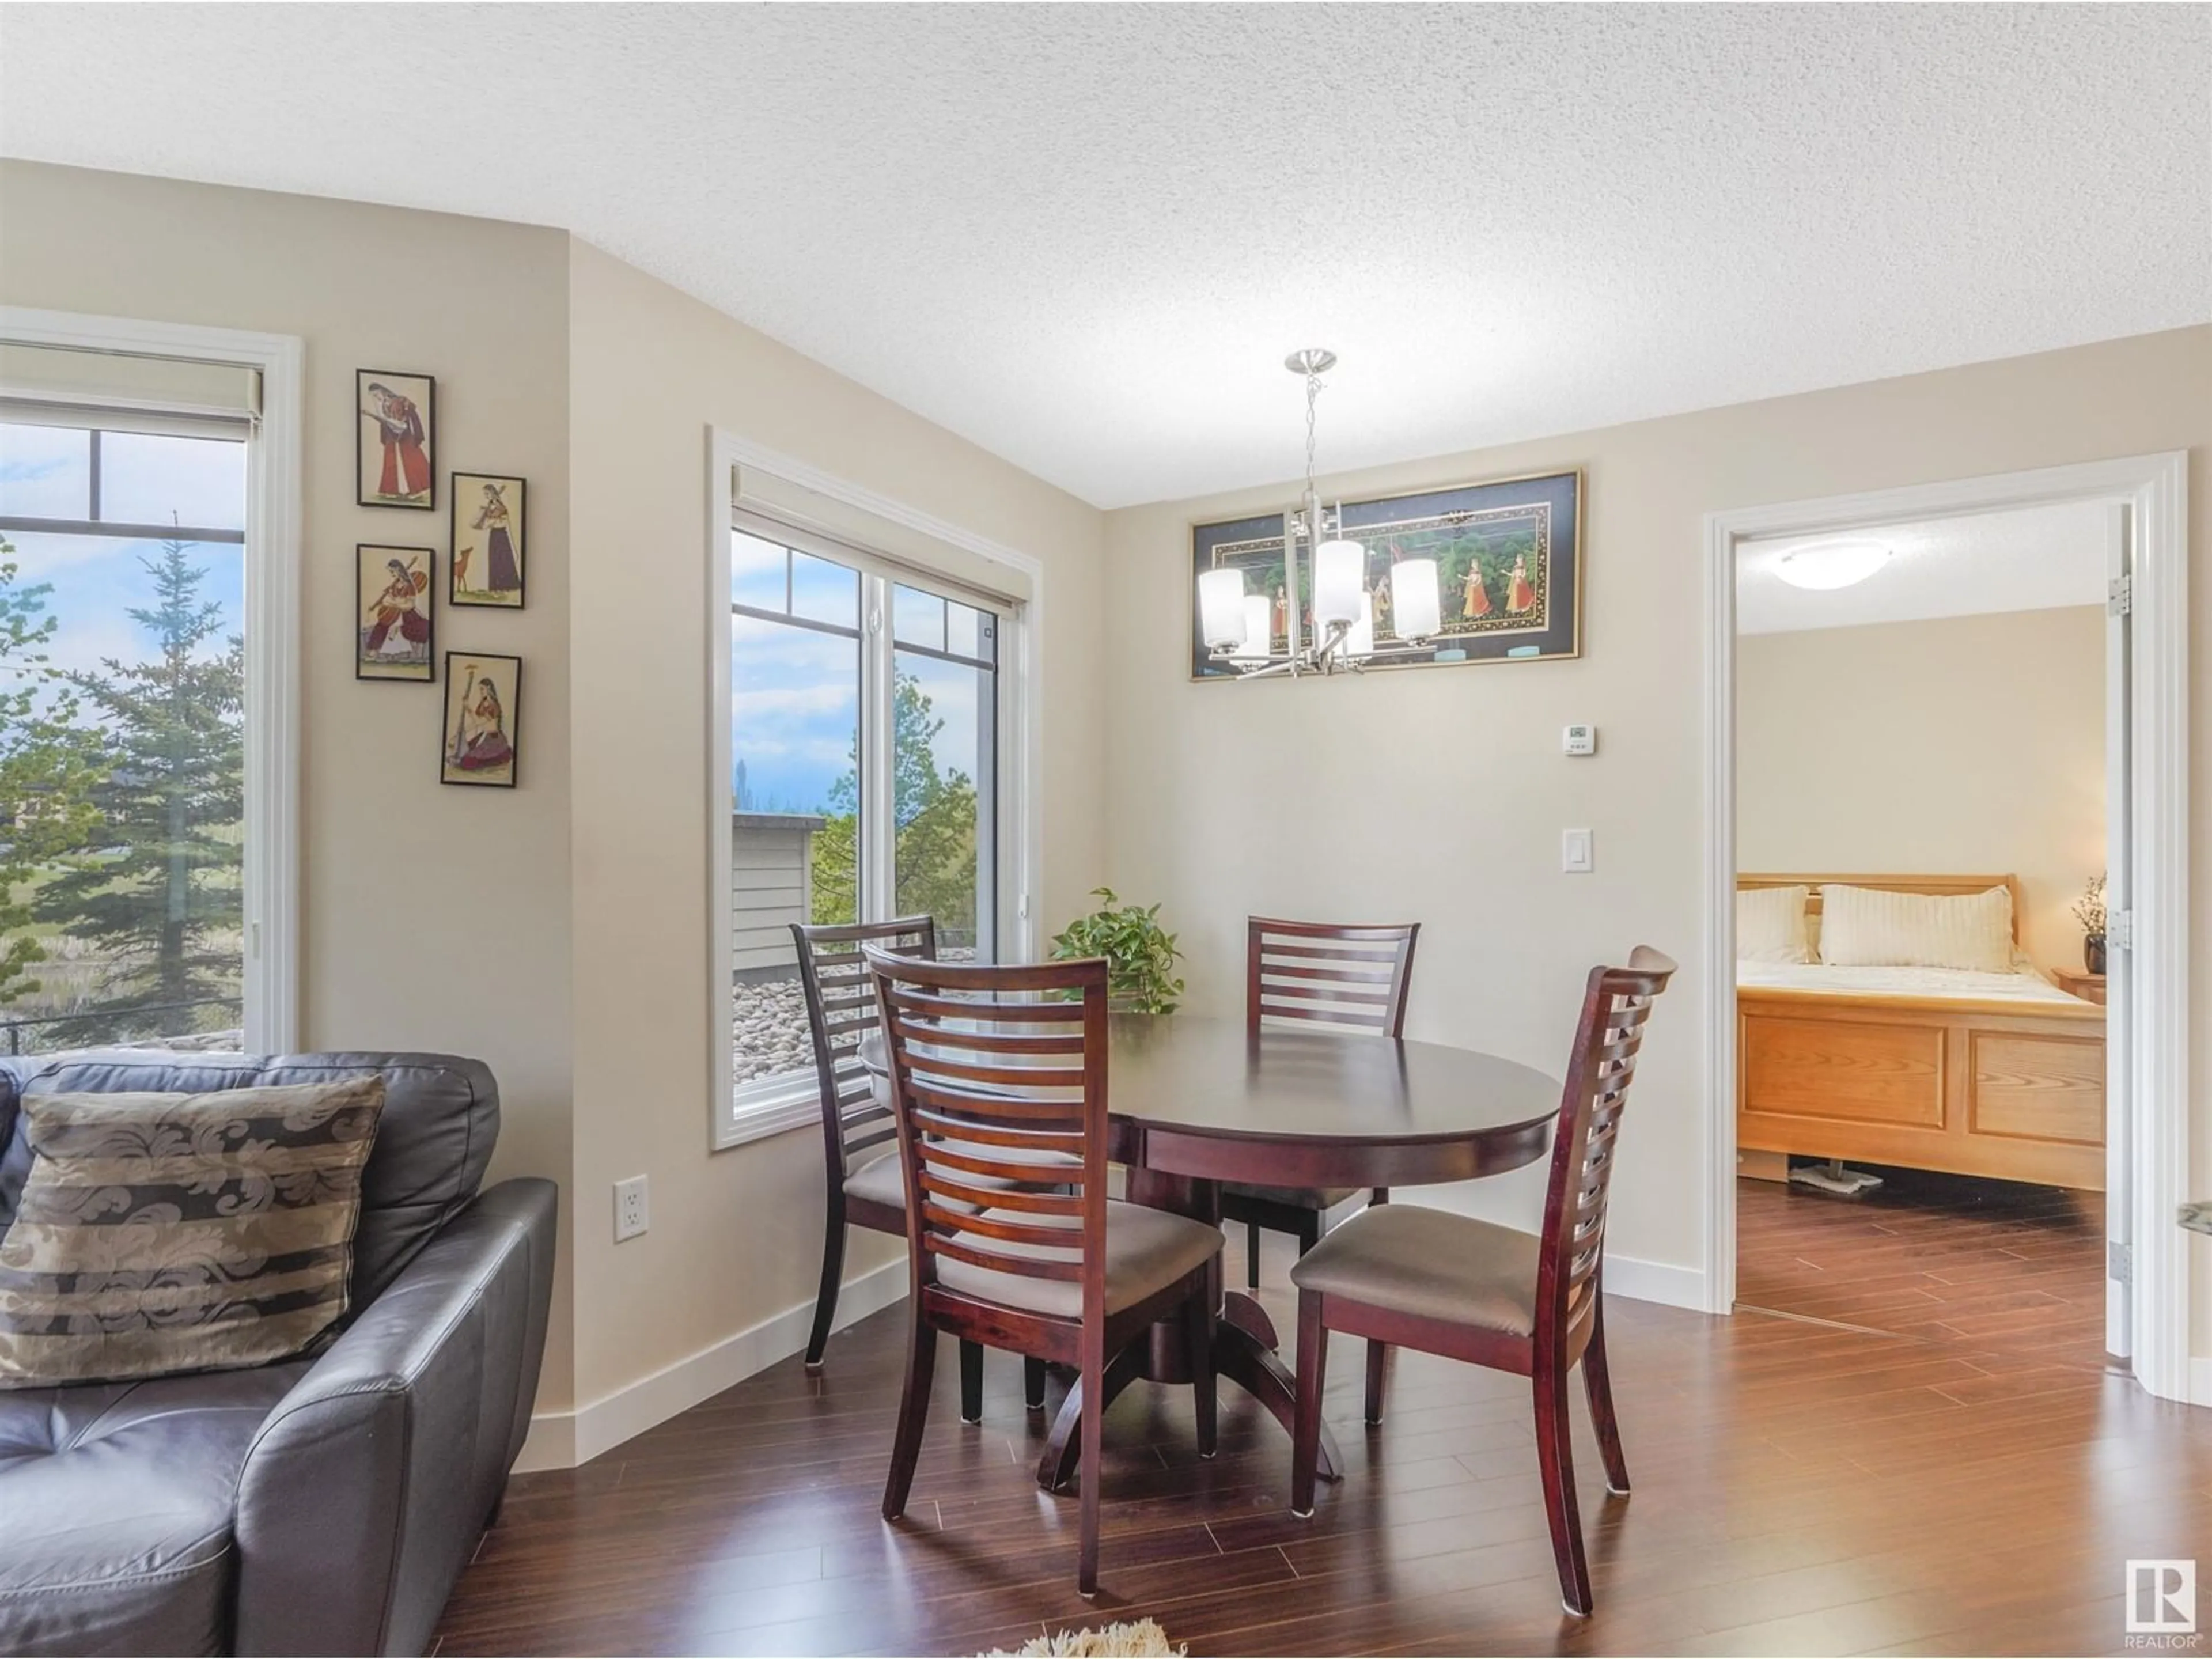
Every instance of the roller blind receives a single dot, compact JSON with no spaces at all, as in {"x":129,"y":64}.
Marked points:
{"x":764,"y":496}
{"x":57,"y":385}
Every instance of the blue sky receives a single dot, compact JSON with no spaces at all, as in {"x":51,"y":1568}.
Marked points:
{"x":98,"y":579}
{"x":794,"y":692}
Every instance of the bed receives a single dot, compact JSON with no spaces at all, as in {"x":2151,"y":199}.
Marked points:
{"x":1998,"y":1074}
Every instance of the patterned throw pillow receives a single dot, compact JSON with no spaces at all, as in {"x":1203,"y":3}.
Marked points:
{"x":160,"y":1233}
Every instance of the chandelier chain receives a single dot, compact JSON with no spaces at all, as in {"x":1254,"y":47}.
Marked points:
{"x":1313,"y":395}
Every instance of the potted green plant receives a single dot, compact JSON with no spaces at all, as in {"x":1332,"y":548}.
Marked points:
{"x":2089,"y":911}
{"x":1140,"y":954}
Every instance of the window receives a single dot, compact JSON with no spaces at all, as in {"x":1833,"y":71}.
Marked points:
{"x":864,"y":763}
{"x":123,"y":622}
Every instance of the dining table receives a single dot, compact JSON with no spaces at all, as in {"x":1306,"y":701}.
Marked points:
{"x":1193,"y":1100}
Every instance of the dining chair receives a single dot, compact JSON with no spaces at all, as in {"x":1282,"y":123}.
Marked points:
{"x":1353,"y":978}
{"x":1528,"y":1303}
{"x":991,"y":1067}
{"x":865,"y":1187}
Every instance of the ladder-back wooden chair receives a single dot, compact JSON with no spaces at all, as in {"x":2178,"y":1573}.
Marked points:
{"x":1525,"y":1303}
{"x":860,"y":1140}
{"x":1353,"y":978}
{"x":990,"y":1068}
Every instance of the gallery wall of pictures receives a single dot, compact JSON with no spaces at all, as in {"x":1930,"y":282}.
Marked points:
{"x":486,"y":562}
{"x":1509,"y":568}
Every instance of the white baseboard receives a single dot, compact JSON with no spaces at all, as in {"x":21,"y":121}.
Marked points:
{"x":2200,"y":1380}
{"x":562,"y":1440}
{"x":1654,"y":1281}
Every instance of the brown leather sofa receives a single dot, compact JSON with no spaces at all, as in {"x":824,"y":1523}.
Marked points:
{"x":325,"y":1505}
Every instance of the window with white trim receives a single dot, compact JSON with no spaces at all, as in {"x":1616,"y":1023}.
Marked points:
{"x":123,"y":713}
{"x":864,"y":770}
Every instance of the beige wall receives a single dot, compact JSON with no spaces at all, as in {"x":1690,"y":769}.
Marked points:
{"x":557,"y":931}
{"x":581,"y":981}
{"x":1945,"y":746}
{"x":434,"y":918}
{"x":1440,"y":793}
{"x":736,"y":1234}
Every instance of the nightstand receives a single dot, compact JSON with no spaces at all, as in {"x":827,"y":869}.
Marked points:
{"x":2090,"y":988}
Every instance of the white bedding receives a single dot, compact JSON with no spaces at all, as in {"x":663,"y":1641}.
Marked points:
{"x":2025,"y":985}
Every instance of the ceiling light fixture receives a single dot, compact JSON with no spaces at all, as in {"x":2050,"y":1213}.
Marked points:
{"x":1242,"y":630}
{"x":1826,"y":566}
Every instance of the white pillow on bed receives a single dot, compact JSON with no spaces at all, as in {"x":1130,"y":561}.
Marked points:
{"x":1871,"y":928}
{"x":1769,"y":925}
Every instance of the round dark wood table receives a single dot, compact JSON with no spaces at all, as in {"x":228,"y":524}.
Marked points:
{"x":1193,"y":1102}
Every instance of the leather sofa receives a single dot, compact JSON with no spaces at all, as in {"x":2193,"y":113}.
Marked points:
{"x":324,"y":1506}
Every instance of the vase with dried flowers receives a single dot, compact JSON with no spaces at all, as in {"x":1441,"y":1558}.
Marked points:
{"x":2089,"y":911}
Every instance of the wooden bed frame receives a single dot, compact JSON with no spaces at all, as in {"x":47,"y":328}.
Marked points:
{"x":1983,"y":1087}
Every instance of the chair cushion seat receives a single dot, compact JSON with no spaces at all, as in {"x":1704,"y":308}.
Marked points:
{"x":1430,"y":1264}
{"x":116,"y":1509}
{"x":878,"y":1182}
{"x":1146,"y":1251}
{"x":882,"y":1181}
{"x":1297,"y":1198}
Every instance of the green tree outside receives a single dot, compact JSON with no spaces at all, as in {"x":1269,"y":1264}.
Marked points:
{"x":49,"y":767}
{"x":932,"y":815}
{"x":164,"y":892}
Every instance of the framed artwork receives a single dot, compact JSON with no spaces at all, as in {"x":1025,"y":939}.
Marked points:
{"x":489,"y":555}
{"x":484,"y":706}
{"x":1509,"y":569}
{"x":395,"y":444}
{"x":392,"y":622}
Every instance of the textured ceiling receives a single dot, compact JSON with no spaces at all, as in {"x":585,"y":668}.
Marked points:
{"x":2024,"y":559}
{"x":1085,"y":236}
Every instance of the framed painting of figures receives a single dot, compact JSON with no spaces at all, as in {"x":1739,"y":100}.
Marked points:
{"x":1509,"y":570}
{"x":395,"y":445}
{"x":488,"y":535}
{"x":391,"y":618}
{"x":483,"y":708}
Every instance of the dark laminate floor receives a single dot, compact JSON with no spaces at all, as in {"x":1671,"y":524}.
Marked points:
{"x":2016,"y":1268}
{"x":1799,"y":1489}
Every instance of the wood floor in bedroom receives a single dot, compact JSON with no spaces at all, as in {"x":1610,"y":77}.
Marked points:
{"x":1799,"y":1488}
{"x":2004,"y":1266}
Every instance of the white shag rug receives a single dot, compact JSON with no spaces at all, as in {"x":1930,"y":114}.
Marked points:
{"x":1143,"y":1639}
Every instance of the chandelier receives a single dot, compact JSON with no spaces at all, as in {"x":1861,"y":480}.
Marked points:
{"x":1240,"y":629}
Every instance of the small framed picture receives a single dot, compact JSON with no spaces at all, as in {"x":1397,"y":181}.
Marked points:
{"x":395,"y":448}
{"x":484,"y":699}
{"x":488,"y":536}
{"x":391,"y":618}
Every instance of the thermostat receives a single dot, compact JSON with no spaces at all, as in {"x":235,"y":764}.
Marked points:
{"x":1579,"y":739}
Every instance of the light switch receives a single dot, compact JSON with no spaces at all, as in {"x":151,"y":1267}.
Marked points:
{"x":1580,"y":738}
{"x":1574,"y":852}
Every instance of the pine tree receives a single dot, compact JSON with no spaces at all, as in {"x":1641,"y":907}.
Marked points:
{"x":48,"y":768}
{"x":932,"y":815}
{"x":164,"y":896}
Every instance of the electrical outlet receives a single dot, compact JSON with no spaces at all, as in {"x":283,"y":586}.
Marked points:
{"x":632,"y":1216}
{"x":1575,"y":856}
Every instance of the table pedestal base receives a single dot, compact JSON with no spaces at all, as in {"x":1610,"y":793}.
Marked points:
{"x":1244,"y":1344}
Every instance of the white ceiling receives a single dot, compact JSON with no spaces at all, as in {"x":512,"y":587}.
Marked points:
{"x":2028,"y":559}
{"x":1084,"y":236}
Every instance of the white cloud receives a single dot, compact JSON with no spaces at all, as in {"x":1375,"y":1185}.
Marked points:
{"x":768,"y":703}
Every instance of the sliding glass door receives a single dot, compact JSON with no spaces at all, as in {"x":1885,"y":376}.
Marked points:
{"x":863,"y":776}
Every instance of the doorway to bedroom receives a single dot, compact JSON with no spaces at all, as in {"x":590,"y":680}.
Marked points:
{"x":1921,"y":834}
{"x":1928,"y":756}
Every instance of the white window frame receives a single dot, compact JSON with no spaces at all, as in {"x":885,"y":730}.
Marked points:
{"x":738,"y":1115}
{"x":272,"y":892}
